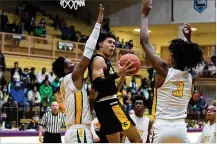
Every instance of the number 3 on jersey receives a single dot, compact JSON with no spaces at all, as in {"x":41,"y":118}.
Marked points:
{"x":180,"y":87}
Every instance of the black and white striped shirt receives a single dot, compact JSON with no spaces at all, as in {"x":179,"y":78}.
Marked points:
{"x":53,"y":123}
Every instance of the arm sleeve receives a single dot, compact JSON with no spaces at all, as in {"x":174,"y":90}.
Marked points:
{"x":92,"y":41}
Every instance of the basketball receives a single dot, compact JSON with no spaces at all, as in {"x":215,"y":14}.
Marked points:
{"x":133,"y":58}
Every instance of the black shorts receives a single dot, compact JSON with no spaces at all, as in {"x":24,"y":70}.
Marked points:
{"x":112,"y":117}
{"x":52,"y":138}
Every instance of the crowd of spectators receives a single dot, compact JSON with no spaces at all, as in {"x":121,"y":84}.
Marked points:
{"x":27,"y":91}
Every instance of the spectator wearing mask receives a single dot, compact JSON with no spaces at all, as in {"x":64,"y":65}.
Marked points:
{"x":16,"y":72}
{"x":18,"y":96}
{"x":46,"y":93}
{"x":32,"y":74}
{"x":34,"y":97}
{"x":26,"y":75}
{"x":3,"y":95}
{"x":51,"y":77}
{"x":208,"y":134}
{"x":31,"y":25}
{"x":41,"y":76}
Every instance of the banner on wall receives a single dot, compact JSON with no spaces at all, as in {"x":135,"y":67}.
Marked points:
{"x":200,"y":5}
{"x":64,"y":45}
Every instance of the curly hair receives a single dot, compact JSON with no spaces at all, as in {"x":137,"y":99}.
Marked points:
{"x":103,"y":36}
{"x":58,"y":67}
{"x":186,"y":55}
{"x":138,"y":97}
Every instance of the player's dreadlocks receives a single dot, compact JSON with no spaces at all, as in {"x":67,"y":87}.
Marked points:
{"x":103,"y":36}
{"x":58,"y":67}
{"x":186,"y":55}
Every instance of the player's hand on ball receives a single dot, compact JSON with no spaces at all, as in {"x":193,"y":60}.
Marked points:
{"x":96,"y":139}
{"x":101,"y":14}
{"x":126,"y":69}
{"x":187,"y":31}
{"x":146,"y":7}
{"x":41,"y":139}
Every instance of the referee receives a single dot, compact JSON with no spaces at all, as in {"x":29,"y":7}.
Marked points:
{"x":52,"y":123}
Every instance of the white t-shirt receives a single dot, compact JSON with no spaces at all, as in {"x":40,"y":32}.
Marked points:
{"x":142,"y":124}
{"x":208,"y":134}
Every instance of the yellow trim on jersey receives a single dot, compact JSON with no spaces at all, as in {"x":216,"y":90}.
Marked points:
{"x":121,"y":117}
{"x":154,"y":103}
{"x":78,"y":107}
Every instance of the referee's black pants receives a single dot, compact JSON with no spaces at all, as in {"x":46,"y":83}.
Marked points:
{"x":52,"y":138}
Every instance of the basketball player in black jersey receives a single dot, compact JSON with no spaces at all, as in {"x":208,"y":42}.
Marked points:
{"x":112,"y":118}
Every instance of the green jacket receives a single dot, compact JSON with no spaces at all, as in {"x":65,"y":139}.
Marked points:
{"x":46,"y":91}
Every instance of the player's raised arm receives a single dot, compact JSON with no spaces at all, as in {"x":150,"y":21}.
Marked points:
{"x":158,"y":64}
{"x":81,"y":66}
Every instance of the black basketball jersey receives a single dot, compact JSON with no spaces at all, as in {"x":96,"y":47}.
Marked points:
{"x":110,"y":88}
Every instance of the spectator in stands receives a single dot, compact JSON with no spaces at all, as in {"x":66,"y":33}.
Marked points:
{"x":196,"y":105}
{"x":56,"y":22}
{"x":130,"y":44}
{"x":16,"y":72}
{"x":32,"y":75}
{"x":26,"y":86}
{"x":41,"y":76}
{"x":62,"y":24}
{"x":133,"y":85}
{"x":18,"y":29}
{"x":20,"y":8}
{"x":25,"y":19}
{"x":18,"y":96}
{"x":4,"y":21}
{"x":55,"y":84}
{"x":26,"y":75}
{"x":40,"y":31}
{"x":2,"y":65}
{"x":51,"y":77}
{"x":128,"y":101}
{"x":33,"y":124}
{"x":34,"y":97}
{"x":46,"y":93}
{"x":31,"y":25}
{"x":212,"y":69}
{"x":10,"y":107}
{"x":42,"y":22}
{"x":118,"y":43}
{"x":3,"y":95}
{"x":122,"y":43}
{"x":72,"y":35}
